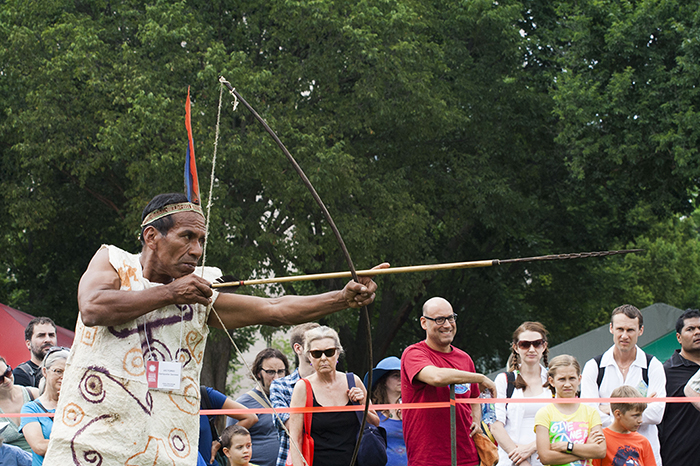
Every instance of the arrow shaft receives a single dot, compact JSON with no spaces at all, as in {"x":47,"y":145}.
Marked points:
{"x":421,"y":268}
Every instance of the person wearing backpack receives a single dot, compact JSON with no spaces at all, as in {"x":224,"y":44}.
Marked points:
{"x":625,"y":363}
{"x":514,"y":428}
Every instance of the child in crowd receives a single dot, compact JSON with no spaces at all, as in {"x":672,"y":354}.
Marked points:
{"x":237,"y":446}
{"x":624,"y":445}
{"x":568,"y":433}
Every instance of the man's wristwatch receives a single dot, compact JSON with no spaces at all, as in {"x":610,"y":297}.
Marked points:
{"x":570,"y":447}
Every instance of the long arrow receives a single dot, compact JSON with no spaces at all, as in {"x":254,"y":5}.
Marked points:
{"x":419,"y":268}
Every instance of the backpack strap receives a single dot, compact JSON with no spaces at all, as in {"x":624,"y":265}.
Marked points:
{"x":645,"y":371}
{"x":601,"y":370}
{"x":510,"y":387}
{"x":206,"y":404}
{"x":259,"y":399}
{"x":28,"y":392}
{"x":351,"y":384}
{"x":38,"y":403}
{"x":27,"y":370}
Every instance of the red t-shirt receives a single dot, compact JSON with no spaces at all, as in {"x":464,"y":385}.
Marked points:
{"x":631,"y":449}
{"x":427,"y":431}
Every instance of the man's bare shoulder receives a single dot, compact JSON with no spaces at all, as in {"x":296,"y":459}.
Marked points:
{"x":100,"y":272}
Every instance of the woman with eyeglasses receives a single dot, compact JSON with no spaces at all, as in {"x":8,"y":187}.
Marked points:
{"x":334,"y":433}
{"x":514,"y":428}
{"x":38,"y":429}
{"x":12,"y":397}
{"x":269,"y":365}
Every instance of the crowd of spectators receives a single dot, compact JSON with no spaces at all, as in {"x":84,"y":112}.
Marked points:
{"x":527,"y":434}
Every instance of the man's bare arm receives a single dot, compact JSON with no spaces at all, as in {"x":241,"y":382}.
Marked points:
{"x":101,"y":302}
{"x":240,"y":310}
{"x":444,"y":376}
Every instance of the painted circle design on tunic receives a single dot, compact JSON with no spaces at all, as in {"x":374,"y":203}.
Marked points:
{"x":93,"y":457}
{"x":92,"y":389}
{"x":133,"y":362}
{"x":179,"y":442}
{"x":72,"y":415}
{"x":183,"y":356}
{"x":194,"y":340}
{"x":188,"y":402}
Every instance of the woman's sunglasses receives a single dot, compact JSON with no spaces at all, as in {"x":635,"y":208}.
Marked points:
{"x":7,"y":373}
{"x":524,"y":344}
{"x":316,"y":354}
{"x":56,"y":349}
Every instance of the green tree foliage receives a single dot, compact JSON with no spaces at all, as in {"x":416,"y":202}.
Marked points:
{"x":434,"y":132}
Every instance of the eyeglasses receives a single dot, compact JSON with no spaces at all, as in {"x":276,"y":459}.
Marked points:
{"x":316,"y":354}
{"x":7,"y":373}
{"x":58,"y":372}
{"x":441,"y":320}
{"x":524,"y":344}
{"x":272,"y":372}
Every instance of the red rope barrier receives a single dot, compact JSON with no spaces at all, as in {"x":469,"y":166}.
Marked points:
{"x":432,"y":405}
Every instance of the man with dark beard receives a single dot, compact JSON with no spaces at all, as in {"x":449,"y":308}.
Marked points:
{"x":678,"y":431}
{"x":39,"y":336}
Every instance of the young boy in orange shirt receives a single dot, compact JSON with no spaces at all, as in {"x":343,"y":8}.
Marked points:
{"x":624,"y":445}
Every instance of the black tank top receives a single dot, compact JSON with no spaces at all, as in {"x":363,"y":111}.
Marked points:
{"x":334,"y":437}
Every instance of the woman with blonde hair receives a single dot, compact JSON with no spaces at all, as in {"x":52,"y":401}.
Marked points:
{"x":514,"y":428}
{"x":334,"y":433}
{"x":38,"y":429}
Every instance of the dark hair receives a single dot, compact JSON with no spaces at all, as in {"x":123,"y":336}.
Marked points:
{"x":164,"y":224}
{"x":269,"y":353}
{"x":687,"y":314}
{"x":625,"y":391}
{"x":379,"y":395}
{"x":29,"y":331}
{"x":630,"y":311}
{"x":515,"y":359}
{"x":229,"y":432}
{"x":296,"y":337}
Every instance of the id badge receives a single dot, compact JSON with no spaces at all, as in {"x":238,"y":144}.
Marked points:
{"x":162,"y":375}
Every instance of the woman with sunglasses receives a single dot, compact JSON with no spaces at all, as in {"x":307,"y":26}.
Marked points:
{"x":334,"y":433}
{"x":38,"y":429}
{"x":12,"y":397}
{"x":514,"y":428}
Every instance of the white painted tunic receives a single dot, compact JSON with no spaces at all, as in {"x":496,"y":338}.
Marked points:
{"x":106,"y":414}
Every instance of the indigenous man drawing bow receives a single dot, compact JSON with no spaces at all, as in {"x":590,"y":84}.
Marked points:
{"x":140,"y":338}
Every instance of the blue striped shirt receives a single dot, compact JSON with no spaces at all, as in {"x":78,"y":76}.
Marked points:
{"x":281,"y":397}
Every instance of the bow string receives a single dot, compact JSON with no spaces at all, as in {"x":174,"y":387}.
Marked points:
{"x":338,"y":236}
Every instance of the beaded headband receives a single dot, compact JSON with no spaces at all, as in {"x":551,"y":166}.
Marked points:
{"x":172,"y":209}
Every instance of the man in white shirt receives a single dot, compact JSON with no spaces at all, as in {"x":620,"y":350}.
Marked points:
{"x":626,"y":364}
